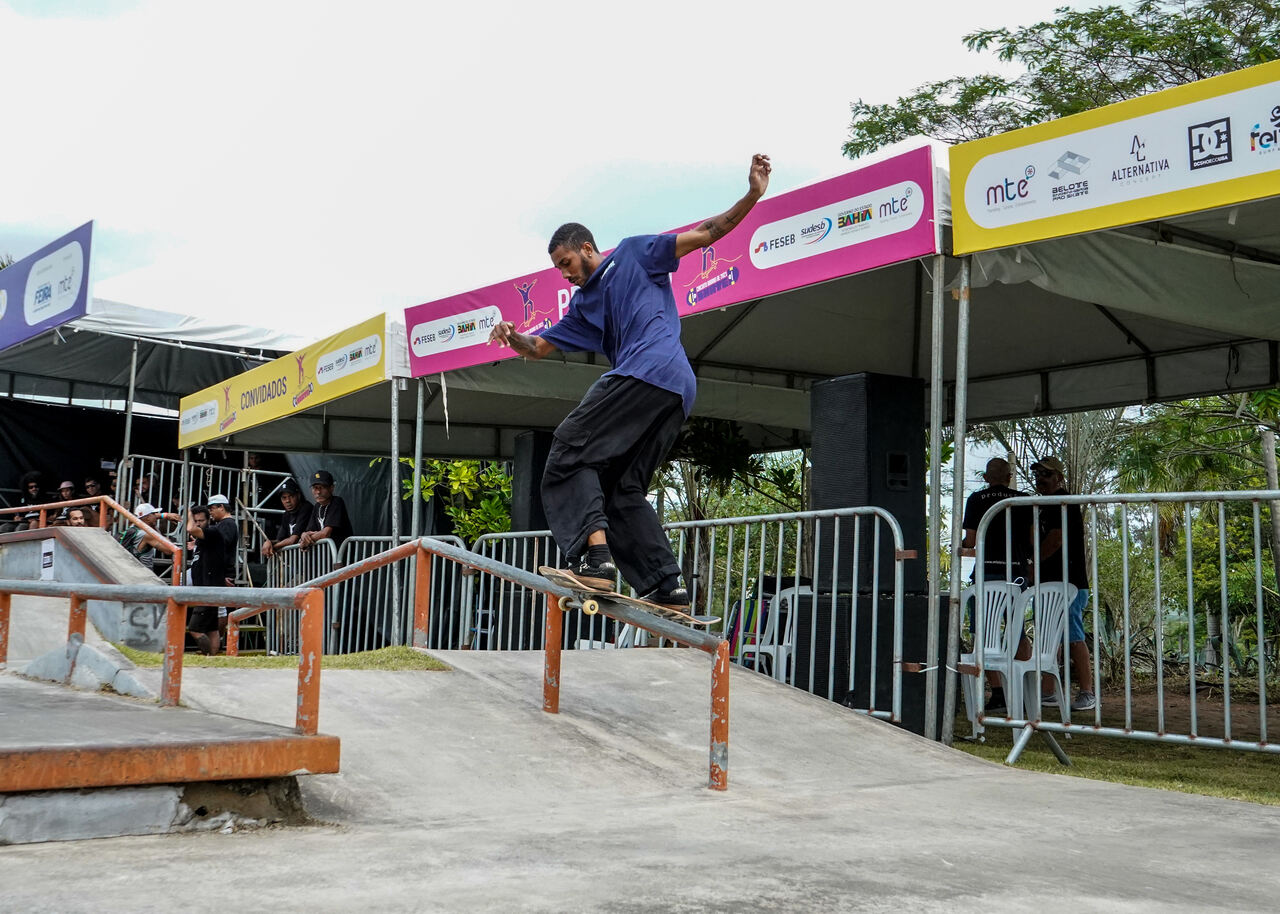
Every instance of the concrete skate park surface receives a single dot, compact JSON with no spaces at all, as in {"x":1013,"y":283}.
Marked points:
{"x":458,"y":793}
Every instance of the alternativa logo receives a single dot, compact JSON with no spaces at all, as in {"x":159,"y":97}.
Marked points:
{"x":1142,"y":167}
{"x":1209,"y":143}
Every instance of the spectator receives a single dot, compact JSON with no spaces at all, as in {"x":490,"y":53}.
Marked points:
{"x":296,"y":517}
{"x":996,"y":567}
{"x":142,"y":488}
{"x":1050,"y":480}
{"x":66,"y":492}
{"x":83,"y":516}
{"x":92,"y":489}
{"x":31,"y":495}
{"x":222,"y":528}
{"x":207,"y":569}
{"x":143,"y":545}
{"x":329,"y":518}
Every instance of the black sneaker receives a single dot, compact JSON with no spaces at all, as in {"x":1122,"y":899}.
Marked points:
{"x":675,"y":598}
{"x":602,"y":576}
{"x":996,"y":703}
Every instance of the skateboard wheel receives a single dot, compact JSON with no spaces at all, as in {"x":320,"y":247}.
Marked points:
{"x":564,"y":604}
{"x":590,"y":607}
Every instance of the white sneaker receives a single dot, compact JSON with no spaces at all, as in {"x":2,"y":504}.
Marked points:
{"x":1084,"y":701}
{"x":1049,"y":700}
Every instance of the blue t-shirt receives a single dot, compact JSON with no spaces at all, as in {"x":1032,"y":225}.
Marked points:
{"x":627,"y":313}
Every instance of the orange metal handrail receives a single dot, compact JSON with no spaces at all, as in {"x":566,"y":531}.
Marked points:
{"x":103,"y":502}
{"x":308,"y":600}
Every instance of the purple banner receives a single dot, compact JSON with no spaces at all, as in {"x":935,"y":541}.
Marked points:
{"x":46,"y":289}
{"x":869,"y":218}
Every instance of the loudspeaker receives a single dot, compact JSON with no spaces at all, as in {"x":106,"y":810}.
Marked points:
{"x":530,"y":460}
{"x":869,"y":449}
{"x":834,"y":660}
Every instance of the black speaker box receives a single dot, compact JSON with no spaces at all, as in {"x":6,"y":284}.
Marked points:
{"x":869,"y":449}
{"x":833,"y":659}
{"x":530,"y":460}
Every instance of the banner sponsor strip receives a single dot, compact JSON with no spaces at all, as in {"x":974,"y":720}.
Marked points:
{"x":1200,"y":146}
{"x":46,"y":289}
{"x":330,"y":368}
{"x":877,"y":215}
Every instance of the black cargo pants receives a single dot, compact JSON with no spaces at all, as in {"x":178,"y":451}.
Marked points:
{"x":598,"y":472}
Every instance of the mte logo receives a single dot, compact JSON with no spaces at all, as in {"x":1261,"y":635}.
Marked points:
{"x":1011,"y":191}
{"x":1209,"y":143}
{"x":816,"y":232}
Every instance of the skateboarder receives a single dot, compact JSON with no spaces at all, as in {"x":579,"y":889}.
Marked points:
{"x":596,"y":484}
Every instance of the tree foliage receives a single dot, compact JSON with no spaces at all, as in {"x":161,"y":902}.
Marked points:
{"x":1081,"y":59}
{"x":476,"y":494}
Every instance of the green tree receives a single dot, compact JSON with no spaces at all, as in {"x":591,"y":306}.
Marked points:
{"x":476,"y":494}
{"x":1081,"y":59}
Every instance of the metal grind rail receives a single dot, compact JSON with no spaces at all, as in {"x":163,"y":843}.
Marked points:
{"x":104,"y":503}
{"x":308,"y":602}
{"x":423,"y":548}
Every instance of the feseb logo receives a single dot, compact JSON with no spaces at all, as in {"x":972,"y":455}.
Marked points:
{"x":1011,"y":190}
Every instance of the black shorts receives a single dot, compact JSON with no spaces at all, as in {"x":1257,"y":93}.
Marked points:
{"x":202,"y":619}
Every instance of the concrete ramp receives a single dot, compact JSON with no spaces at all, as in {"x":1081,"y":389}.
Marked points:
{"x":457,"y":792}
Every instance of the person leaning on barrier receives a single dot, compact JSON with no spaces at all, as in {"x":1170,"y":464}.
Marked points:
{"x":296,"y":517}
{"x":1050,"y":480}
{"x":30,"y":495}
{"x":996,"y":566}
{"x":207,"y":569}
{"x":329,"y":518}
{"x":143,"y":545}
{"x":66,"y":492}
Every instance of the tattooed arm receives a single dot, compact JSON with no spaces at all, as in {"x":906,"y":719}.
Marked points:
{"x":717,"y":227}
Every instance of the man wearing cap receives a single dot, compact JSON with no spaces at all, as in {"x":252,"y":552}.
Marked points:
{"x":296,"y":517}
{"x":141,"y":544}
{"x":222,"y":530}
{"x":329,"y":518}
{"x":208,"y":568}
{"x":1051,"y":480}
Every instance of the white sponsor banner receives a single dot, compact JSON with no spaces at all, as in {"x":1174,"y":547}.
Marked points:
{"x":855,"y":220}
{"x":202,"y":415}
{"x":457,"y":331}
{"x":349,"y":359}
{"x":53,"y":285}
{"x":1193,"y":145}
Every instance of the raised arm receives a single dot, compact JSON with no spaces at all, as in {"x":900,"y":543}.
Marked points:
{"x":717,"y":227}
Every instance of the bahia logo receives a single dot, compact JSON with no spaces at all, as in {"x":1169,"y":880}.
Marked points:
{"x":816,"y":232}
{"x":1011,"y":191}
{"x":446,"y":333}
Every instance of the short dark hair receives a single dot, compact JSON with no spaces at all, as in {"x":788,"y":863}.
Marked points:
{"x":572,"y":235}
{"x":200,"y":509}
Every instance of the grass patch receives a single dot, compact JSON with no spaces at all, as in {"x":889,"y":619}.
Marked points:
{"x":388,"y":658}
{"x":1249,"y":776}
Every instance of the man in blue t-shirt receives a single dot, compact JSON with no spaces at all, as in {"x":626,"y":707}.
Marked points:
{"x":596,"y":484}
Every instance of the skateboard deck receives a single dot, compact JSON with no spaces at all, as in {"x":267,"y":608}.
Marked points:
{"x":588,"y":599}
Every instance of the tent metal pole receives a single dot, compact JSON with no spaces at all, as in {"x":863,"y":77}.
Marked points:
{"x":396,"y":615}
{"x":957,"y":501}
{"x":128,"y":408}
{"x":415,"y":529}
{"x":184,"y":505}
{"x":935,"y":493}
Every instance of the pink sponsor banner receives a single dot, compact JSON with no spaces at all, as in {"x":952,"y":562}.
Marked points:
{"x":869,"y":218}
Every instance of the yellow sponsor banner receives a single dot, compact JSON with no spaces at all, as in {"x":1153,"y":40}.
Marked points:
{"x":1196,"y":147}
{"x":333,"y":367}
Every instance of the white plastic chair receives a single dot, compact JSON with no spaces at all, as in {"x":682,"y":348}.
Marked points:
{"x":1050,"y":602}
{"x":1002,"y":610}
{"x":778,"y":652}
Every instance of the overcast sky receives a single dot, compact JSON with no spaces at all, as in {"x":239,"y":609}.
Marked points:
{"x":306,"y":165}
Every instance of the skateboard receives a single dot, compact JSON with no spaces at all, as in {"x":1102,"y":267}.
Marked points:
{"x":588,"y":599}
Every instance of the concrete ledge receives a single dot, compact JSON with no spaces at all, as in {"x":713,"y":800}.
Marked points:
{"x":52,"y":768}
{"x":71,"y":815}
{"x":90,"y":667}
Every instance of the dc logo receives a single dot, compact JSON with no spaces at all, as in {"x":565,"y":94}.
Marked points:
{"x":1209,"y":143}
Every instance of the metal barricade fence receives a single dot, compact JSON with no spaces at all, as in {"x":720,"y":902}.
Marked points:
{"x":363,"y":610}
{"x":795,"y":606}
{"x":1182,"y":617}
{"x":293,"y":566}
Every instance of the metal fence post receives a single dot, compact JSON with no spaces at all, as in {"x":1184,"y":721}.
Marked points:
{"x":421,"y":598}
{"x":311,"y":626}
{"x":719,"y":775}
{"x":175,"y":625}
{"x":551,"y":662}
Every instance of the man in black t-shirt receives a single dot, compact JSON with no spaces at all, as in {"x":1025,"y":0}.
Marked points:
{"x":329,"y":519}
{"x":1050,"y":480}
{"x":995,"y":565}
{"x":208,"y":569}
{"x":296,"y":517}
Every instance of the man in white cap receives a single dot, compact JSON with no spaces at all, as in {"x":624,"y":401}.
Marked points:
{"x":140,"y":543}
{"x":222,"y":529}
{"x":215,"y":534}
